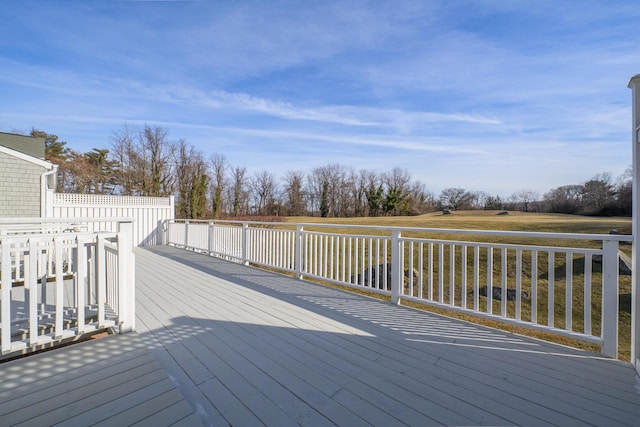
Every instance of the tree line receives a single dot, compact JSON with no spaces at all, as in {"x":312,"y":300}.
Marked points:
{"x":144,"y":161}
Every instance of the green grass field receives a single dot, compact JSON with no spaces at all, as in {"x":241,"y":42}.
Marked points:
{"x":517,"y":221}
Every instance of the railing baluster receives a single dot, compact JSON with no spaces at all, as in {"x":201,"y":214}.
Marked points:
{"x":410,"y":277}
{"x":463,"y":278}
{"x":350,"y":260}
{"x":518,"y":284}
{"x":430,"y":274}
{"x":587,"y":293}
{"x":534,"y":286}
{"x":362,"y":261}
{"x":452,"y":274}
{"x":420,"y":269}
{"x":441,"y":272}
{"x":476,"y":277}
{"x":385,"y":273}
{"x":503,"y":282}
{"x":568,"y":300}
{"x":489,"y":279}
{"x":377,"y":263}
{"x":551,"y":288}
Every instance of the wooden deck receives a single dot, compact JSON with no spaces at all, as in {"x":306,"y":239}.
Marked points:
{"x":112,"y":381}
{"x":247,"y":347}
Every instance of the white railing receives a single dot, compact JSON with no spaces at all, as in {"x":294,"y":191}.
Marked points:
{"x":57,"y":282}
{"x":568,"y":287}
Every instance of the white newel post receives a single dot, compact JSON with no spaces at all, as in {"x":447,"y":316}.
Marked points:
{"x":126,"y":278}
{"x":298,"y":256}
{"x":634,"y":85}
{"x":210,"y":227}
{"x":396,"y":267}
{"x":163,"y":227}
{"x":610,"y":267}
{"x":5,"y":310}
{"x":245,"y":243}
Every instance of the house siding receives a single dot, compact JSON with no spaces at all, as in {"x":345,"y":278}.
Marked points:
{"x":19,"y":187}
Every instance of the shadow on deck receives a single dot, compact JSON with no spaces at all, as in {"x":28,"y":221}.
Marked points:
{"x":249,"y":347}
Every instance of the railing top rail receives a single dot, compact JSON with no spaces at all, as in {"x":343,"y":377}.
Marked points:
{"x":51,"y":236}
{"x":70,"y":220}
{"x":500,"y":233}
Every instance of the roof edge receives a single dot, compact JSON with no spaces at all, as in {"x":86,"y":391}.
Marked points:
{"x":45,"y":164}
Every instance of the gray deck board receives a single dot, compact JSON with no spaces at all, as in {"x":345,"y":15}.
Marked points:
{"x":253,"y":347}
{"x":100,"y":381}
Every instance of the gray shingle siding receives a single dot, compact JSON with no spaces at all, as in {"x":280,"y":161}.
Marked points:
{"x":19,"y":187}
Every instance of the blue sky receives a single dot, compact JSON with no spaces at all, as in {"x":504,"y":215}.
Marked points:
{"x":490,"y":95}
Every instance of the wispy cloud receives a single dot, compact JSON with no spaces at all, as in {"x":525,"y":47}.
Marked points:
{"x":474,"y":93}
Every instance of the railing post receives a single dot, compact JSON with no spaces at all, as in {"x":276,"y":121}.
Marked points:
{"x":610,"y":266}
{"x":7,"y":283}
{"x":396,"y":267}
{"x":101,"y":279}
{"x":126,"y":278}
{"x":210,"y":237}
{"x":163,"y":228}
{"x":298,"y":256}
{"x":186,"y":234}
{"x":634,"y":85}
{"x":245,"y":243}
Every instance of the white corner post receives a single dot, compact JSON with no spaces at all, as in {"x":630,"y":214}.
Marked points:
{"x":163,"y":229}
{"x":126,"y":278}
{"x":172,"y":207}
{"x":610,"y":277}
{"x":299,"y":252}
{"x":245,"y":243}
{"x":634,"y":85}
{"x":396,"y":267}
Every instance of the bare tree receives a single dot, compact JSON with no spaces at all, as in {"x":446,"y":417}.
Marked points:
{"x":191,"y":180}
{"x":123,"y":149}
{"x":359,"y":192}
{"x":294,"y":195}
{"x":564,"y":199}
{"x":264,"y":186}
{"x":240,"y":194}
{"x":624,"y":192}
{"x":523,"y":199}
{"x":598,"y":192}
{"x":144,"y":161}
{"x":329,"y":190}
{"x":420,"y":200}
{"x":455,"y":198}
{"x":218,"y":168}
{"x":396,"y":196}
{"x":374,"y":194}
{"x":157,"y":153}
